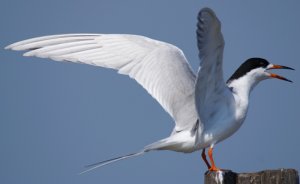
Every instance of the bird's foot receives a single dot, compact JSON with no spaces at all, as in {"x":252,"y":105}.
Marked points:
{"x":214,"y":168}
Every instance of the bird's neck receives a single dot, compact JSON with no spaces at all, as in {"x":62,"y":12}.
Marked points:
{"x":243,"y":86}
{"x":241,"y":89}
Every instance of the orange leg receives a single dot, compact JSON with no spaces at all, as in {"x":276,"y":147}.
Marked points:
{"x":205,"y":160}
{"x":210,"y":155}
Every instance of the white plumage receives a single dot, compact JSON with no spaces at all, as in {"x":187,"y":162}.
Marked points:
{"x":159,"y":67}
{"x":205,"y":108}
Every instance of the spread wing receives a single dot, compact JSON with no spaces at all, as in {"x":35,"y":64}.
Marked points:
{"x":159,"y":67}
{"x":210,"y":84}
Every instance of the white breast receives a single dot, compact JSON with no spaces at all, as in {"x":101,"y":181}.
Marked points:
{"x":229,"y":115}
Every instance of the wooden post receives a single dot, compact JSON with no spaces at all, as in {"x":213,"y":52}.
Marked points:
{"x":280,"y":176}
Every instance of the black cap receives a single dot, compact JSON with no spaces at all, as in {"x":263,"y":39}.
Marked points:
{"x":247,"y":66}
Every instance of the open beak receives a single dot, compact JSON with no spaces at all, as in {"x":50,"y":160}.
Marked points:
{"x":272,"y":75}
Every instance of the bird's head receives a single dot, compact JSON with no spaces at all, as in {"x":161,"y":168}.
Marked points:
{"x":255,"y":70}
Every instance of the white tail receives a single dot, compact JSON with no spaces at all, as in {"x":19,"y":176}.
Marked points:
{"x":161,"y":144}
{"x":103,"y":163}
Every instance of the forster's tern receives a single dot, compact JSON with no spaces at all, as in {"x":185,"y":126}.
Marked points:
{"x":206,"y":109}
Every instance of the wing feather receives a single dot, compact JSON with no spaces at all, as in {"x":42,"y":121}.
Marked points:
{"x":159,"y":67}
{"x":210,"y":84}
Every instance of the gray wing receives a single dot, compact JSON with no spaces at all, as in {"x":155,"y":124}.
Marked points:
{"x":160,"y":68}
{"x":210,"y":83}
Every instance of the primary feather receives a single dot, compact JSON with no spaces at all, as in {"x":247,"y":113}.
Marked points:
{"x":210,"y":84}
{"x":159,"y":67}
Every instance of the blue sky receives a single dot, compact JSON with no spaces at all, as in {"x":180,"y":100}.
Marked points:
{"x":57,"y":117}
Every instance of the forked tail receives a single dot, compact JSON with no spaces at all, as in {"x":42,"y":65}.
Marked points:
{"x":103,"y":163}
{"x":161,"y":144}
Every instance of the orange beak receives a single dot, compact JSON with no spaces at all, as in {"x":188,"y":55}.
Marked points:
{"x":278,"y":76}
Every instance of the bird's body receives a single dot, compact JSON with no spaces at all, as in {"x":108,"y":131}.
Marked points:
{"x":205,"y":108}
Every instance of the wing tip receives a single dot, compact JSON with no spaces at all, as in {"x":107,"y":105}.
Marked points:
{"x":9,"y":47}
{"x":206,"y":11}
{"x":15,"y":46}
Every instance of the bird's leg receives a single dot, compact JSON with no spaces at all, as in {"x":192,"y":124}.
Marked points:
{"x":205,"y":160}
{"x":210,"y":155}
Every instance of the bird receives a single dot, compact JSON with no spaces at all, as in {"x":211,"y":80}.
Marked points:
{"x":206,"y":109}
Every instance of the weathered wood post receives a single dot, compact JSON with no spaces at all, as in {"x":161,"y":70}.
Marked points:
{"x":280,"y":176}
